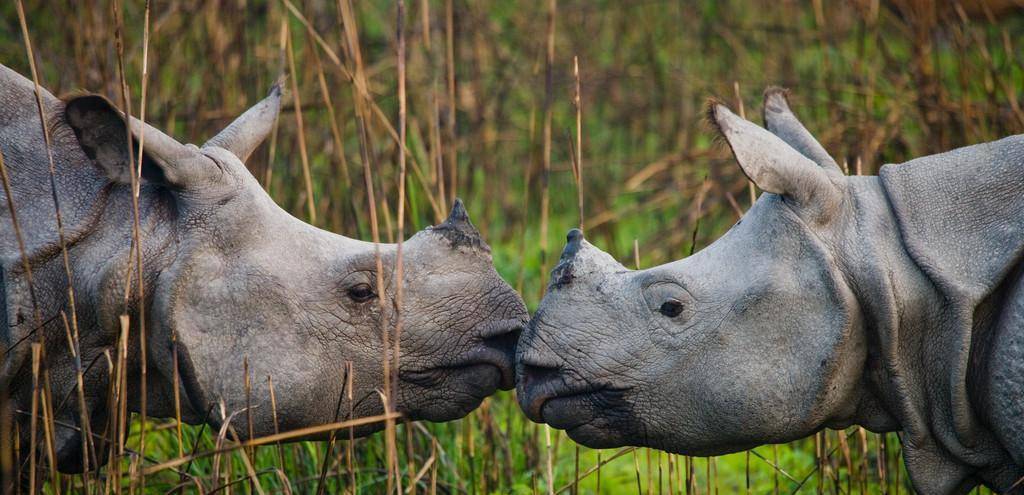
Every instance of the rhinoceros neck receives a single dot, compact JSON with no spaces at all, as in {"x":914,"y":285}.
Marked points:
{"x":892,"y":293}
{"x":97,"y":225}
{"x":907,"y":318}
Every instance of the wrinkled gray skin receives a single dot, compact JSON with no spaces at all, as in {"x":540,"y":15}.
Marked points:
{"x":893,"y":302}
{"x":230,"y":276}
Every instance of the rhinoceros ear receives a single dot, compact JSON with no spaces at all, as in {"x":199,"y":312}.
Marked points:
{"x":243,"y":135}
{"x":773,"y":165}
{"x":782,"y":122}
{"x":100,"y":129}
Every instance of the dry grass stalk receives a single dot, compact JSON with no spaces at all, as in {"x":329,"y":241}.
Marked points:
{"x":8,"y":458}
{"x":746,"y":472}
{"x":339,"y":142}
{"x":247,"y":383}
{"x":36,"y":351}
{"x":119,"y":429}
{"x":410,"y":461}
{"x":349,"y":384}
{"x":577,"y":155}
{"x":321,"y":483}
{"x":49,"y":427}
{"x":399,"y":275}
{"x":59,"y":220}
{"x":596,"y":469}
{"x":361,"y":87}
{"x":844,"y":448}
{"x":135,"y":174}
{"x":176,"y":381}
{"x":549,"y":460}
{"x":636,"y":470}
{"x":545,"y":195}
{"x":277,"y":428}
{"x":352,"y":43}
{"x":303,"y":154}
{"x":775,"y":467}
{"x":743,"y":114}
{"x":453,"y":162}
{"x":433,"y":469}
{"x":576,"y":470}
{"x":272,"y":439}
{"x":282,"y":44}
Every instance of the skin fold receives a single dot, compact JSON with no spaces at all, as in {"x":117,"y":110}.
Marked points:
{"x":894,"y":302}
{"x":230,"y":279}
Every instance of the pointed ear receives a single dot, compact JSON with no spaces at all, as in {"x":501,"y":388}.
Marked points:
{"x":781,"y":121}
{"x":773,"y":165}
{"x":101,"y":132}
{"x":243,"y":135}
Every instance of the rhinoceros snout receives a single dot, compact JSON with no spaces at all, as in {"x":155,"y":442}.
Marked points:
{"x":536,"y":384}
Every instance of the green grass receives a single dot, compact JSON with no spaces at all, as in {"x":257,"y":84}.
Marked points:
{"x":874,"y":86}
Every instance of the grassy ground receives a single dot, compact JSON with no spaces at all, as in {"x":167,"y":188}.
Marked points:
{"x":492,"y":119}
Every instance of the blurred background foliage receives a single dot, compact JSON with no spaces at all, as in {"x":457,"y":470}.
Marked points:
{"x":492,"y":120}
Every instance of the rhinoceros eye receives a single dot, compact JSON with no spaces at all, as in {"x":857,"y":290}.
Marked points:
{"x":671,"y":308}
{"x":361,"y":293}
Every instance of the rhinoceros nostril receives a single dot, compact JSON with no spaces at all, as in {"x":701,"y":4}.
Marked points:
{"x":535,"y":380}
{"x":535,"y":373}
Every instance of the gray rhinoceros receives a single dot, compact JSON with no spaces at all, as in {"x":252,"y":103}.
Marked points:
{"x":229,"y":276}
{"x":894,"y":302}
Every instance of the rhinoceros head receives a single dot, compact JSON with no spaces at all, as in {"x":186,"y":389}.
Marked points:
{"x":240,"y":281}
{"x":735,"y":346}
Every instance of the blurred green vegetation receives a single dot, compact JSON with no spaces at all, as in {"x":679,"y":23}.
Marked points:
{"x":877,"y":82}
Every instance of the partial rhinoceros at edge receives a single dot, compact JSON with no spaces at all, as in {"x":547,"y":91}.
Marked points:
{"x":229,"y":277}
{"x":894,"y":302}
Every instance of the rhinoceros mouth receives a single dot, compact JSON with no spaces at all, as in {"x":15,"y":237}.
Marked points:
{"x":497,"y":349}
{"x":469,"y":364}
{"x":573,"y":406}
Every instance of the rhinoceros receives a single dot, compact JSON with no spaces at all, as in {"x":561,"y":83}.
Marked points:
{"x":229,"y":277}
{"x":895,"y":302}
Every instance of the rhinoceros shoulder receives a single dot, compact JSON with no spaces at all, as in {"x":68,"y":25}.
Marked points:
{"x":961,"y":214}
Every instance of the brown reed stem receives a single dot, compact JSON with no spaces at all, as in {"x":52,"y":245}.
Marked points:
{"x":578,"y":151}
{"x":545,"y":199}
{"x":352,"y":42}
{"x":399,"y":274}
{"x":453,"y":163}
{"x":303,"y":153}
{"x":56,"y":202}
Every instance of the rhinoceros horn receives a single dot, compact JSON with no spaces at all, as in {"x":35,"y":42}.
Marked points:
{"x":243,"y":135}
{"x":459,"y":230}
{"x":563,"y":271}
